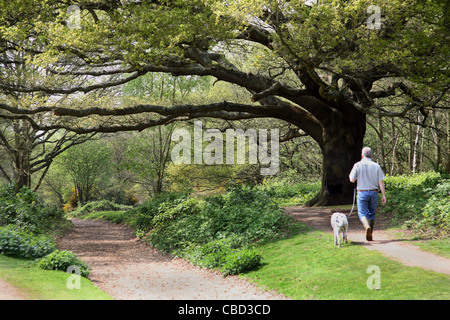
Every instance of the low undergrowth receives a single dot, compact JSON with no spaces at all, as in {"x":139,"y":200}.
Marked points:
{"x":28,"y":229}
{"x":307,"y":265}
{"x":420,"y":203}
{"x":98,"y":206}
{"x":213,"y":232}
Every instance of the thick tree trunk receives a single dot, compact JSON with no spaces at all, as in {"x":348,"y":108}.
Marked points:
{"x":341,"y":147}
{"x":336,"y":187}
{"x":22,"y":154}
{"x":22,"y":170}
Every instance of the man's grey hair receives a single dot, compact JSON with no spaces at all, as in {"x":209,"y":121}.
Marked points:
{"x":367,"y":152}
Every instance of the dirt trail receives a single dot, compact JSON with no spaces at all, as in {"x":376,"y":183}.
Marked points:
{"x":127,"y":268}
{"x":395,"y":249}
{"x":9,"y":292}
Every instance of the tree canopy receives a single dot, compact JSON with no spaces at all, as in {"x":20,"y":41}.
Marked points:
{"x":319,"y":65}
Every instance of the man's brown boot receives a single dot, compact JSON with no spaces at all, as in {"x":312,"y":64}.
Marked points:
{"x":371,"y":224}
{"x":366,"y":225}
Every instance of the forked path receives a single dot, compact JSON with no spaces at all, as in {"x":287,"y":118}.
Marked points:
{"x":127,"y":268}
{"x":395,"y":249}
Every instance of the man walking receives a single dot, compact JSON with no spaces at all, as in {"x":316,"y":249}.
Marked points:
{"x":370,"y":179}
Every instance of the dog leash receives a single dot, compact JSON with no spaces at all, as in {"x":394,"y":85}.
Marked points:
{"x":353,"y":206}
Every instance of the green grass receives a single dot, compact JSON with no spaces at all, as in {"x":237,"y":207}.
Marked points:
{"x":307,"y":265}
{"x":38,"y":284}
{"x":437,"y":246}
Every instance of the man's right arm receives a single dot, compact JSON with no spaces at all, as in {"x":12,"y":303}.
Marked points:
{"x":353,"y":174}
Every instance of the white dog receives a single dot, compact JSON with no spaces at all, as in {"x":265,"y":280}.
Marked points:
{"x":339,"y":222}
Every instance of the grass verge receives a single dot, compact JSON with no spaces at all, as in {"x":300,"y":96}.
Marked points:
{"x":306,"y":265}
{"x":112,"y":216}
{"x":438,"y":246}
{"x":38,"y":284}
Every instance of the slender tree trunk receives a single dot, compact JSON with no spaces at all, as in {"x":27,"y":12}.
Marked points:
{"x":421,"y":168}
{"x":437,"y":145}
{"x":41,"y":178}
{"x":416,"y":147}
{"x":447,"y":167}
{"x":381,"y":142}
{"x":394,"y":148}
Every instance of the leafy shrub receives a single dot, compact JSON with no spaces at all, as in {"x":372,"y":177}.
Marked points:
{"x":213,"y":253}
{"x":239,"y":194}
{"x":62,"y":260}
{"x":72,"y":202}
{"x":229,"y":255}
{"x":24,"y":210}
{"x":176,"y":234}
{"x":14,"y":241}
{"x":130,"y":199}
{"x":207,"y":220}
{"x":141,"y":218}
{"x":112,"y":216}
{"x":419,"y":201}
{"x":206,"y":230}
{"x":435,"y":217}
{"x":240,"y":261}
{"x":419,"y":180}
{"x":171,"y":210}
{"x":407,"y":194}
{"x":283,"y":191}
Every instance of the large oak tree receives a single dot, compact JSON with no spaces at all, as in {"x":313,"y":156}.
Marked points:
{"x":319,"y":65}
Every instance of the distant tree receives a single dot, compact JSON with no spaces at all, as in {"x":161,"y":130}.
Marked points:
{"x":148,"y":155}
{"x":29,"y":152}
{"x":88,"y":166}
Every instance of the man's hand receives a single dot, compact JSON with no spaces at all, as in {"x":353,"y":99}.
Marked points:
{"x":383,"y":192}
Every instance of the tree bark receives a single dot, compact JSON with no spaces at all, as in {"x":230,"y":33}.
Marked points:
{"x":341,"y":148}
{"x":436,"y":141}
{"x":22,"y":170}
{"x":415,"y":159}
{"x":22,"y":154}
{"x":447,"y":166}
{"x":381,"y":145}
{"x":340,"y":134}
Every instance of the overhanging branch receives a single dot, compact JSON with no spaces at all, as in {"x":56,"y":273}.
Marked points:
{"x":223,"y":110}
{"x":86,"y":89}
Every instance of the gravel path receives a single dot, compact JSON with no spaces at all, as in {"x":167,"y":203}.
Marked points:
{"x":128,"y":269}
{"x":9,"y":292}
